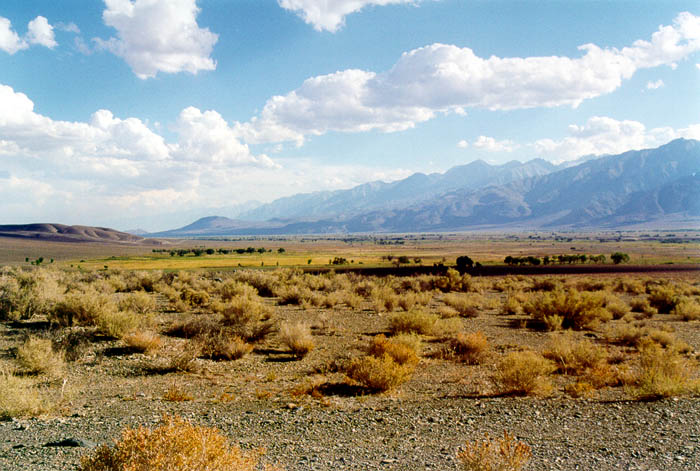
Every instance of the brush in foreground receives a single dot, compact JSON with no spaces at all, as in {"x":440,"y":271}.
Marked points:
{"x":494,"y":454}
{"x":176,"y":445}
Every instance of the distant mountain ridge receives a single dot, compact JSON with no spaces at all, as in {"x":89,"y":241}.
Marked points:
{"x":380,"y":195}
{"x":64,"y":233}
{"x":635,"y":187}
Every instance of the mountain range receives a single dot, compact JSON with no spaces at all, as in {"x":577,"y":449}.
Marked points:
{"x":653,"y":187}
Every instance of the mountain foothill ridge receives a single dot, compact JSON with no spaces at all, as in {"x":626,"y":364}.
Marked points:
{"x":650,"y":186}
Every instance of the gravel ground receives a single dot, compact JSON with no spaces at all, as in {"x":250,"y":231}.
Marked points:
{"x":390,"y":434}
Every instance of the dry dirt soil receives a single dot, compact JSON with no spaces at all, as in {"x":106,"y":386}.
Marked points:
{"x":307,"y":415}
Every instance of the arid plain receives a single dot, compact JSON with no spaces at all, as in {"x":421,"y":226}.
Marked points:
{"x":347,"y":365}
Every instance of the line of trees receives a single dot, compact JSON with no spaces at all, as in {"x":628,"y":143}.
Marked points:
{"x":198,"y":252}
{"x":617,"y":258}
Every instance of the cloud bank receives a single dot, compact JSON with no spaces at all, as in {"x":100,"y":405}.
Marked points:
{"x":442,"y":78}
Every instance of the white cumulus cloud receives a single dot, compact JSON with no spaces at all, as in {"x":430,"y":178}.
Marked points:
{"x":463,"y":144}
{"x":655,"y":84}
{"x":40,"y":32}
{"x":159,"y":36}
{"x":330,"y":15}
{"x":605,"y":135}
{"x":10,"y":41}
{"x":489,"y":144}
{"x":442,"y":78}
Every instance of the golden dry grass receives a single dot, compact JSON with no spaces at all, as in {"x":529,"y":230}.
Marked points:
{"x":175,"y":445}
{"x":494,"y":454}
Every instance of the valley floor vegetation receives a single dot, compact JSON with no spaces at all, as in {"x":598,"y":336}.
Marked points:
{"x":72,"y":338}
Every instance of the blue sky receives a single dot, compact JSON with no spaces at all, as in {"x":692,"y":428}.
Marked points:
{"x":151,"y":113}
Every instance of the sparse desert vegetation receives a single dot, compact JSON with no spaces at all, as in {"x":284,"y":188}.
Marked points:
{"x":175,"y":341}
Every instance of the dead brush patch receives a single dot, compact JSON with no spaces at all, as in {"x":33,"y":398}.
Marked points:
{"x":569,"y":309}
{"x":662,"y":373}
{"x":20,"y":397}
{"x":637,"y":335}
{"x":174,"y":445}
{"x":37,"y":356}
{"x":512,"y":305}
{"x":574,"y":357}
{"x":524,"y":373}
{"x":143,"y":341}
{"x":248,"y":318}
{"x":664,"y":298}
{"x":176,"y":393}
{"x":138,"y":302}
{"x":688,"y":309}
{"x":82,"y":308}
{"x":379,"y":374}
{"x":470,"y":348}
{"x":384,"y":298}
{"x":297,"y":338}
{"x":222,"y":345}
{"x":643,"y":309}
{"x":413,"y":322}
{"x":467,"y":305}
{"x":494,"y":454}
{"x":403,"y":349}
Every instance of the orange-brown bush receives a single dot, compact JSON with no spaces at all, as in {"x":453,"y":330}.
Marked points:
{"x":470,"y":348}
{"x":403,"y":350}
{"x":524,"y":373}
{"x":500,"y":454}
{"x":176,"y":445}
{"x":379,"y":373}
{"x":143,"y":341}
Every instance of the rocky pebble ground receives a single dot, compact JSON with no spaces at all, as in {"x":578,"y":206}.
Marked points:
{"x":386,"y":434}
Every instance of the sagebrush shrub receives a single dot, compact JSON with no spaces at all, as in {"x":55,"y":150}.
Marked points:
{"x":467,"y":305}
{"x":664,"y":298}
{"x":143,"y":341}
{"x":663,"y":372}
{"x":222,"y":346}
{"x":578,"y":310}
{"x":20,"y":397}
{"x":139,"y":302}
{"x":574,"y":356}
{"x":416,"y":322}
{"x":494,"y":454}
{"x":297,"y":338}
{"x":82,"y":308}
{"x":248,"y":317}
{"x":25,"y":294}
{"x":403,"y":349}
{"x":379,"y":373}
{"x":471,"y":348}
{"x":176,"y":445}
{"x":687,"y":308}
{"x":524,"y":373}
{"x":36,"y":355}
